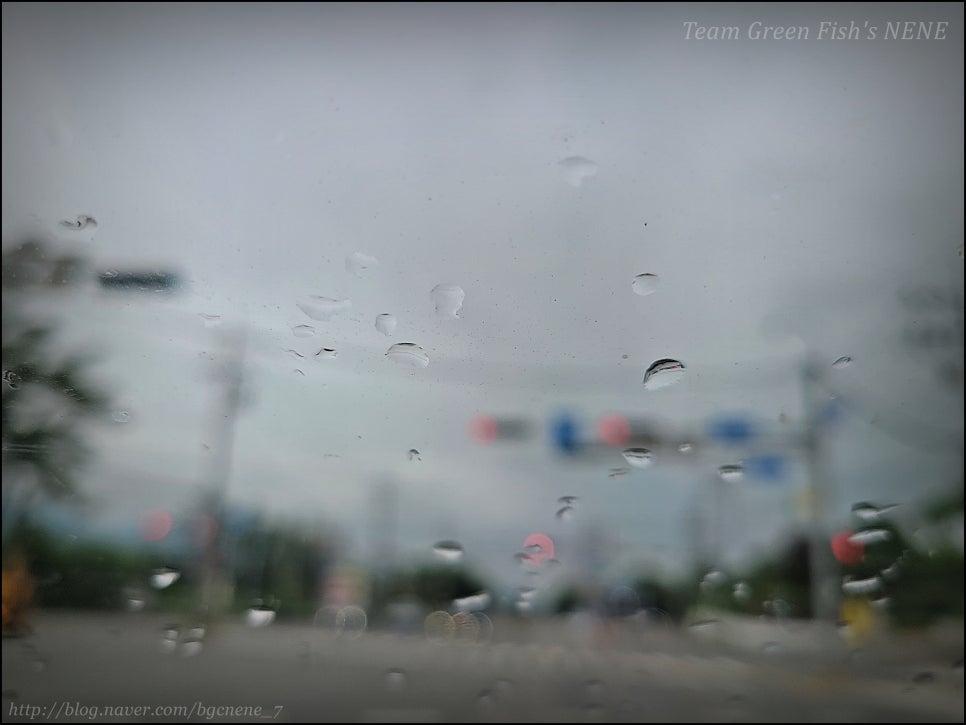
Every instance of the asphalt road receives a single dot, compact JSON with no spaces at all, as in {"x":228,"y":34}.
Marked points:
{"x":75,"y":666}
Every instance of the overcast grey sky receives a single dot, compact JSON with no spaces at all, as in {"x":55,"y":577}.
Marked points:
{"x":785,"y":193}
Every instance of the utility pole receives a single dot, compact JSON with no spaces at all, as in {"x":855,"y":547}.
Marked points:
{"x":823,"y":574}
{"x":215,"y":586}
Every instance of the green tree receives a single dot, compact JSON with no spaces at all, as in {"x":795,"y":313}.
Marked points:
{"x":47,"y":395}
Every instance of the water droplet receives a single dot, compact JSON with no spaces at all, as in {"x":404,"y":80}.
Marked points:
{"x":11,"y":379}
{"x":209,"y":320}
{"x":566,"y":513}
{"x":299,"y":372}
{"x":577,"y":168}
{"x":326,"y":353}
{"x":618,"y":472}
{"x":295,"y":353}
{"x":663,"y":373}
{"x":386,"y":323}
{"x":120,"y":416}
{"x":741,"y":592}
{"x":842,"y":362}
{"x":714,"y":578}
{"x":408,"y":353}
{"x":169,"y":642}
{"x":164,"y":578}
{"x":135,"y":604}
{"x":303,"y":330}
{"x":321,"y":308}
{"x":771,"y":648}
{"x":567,"y":500}
{"x":467,"y":627}
{"x":891,"y":571}
{"x":486,"y":700}
{"x":731,"y":472}
{"x":685,"y":448}
{"x":439,"y":627}
{"x":360,"y":264}
{"x":351,"y":621}
{"x":414,"y":455}
{"x":447,"y":299}
{"x":645,"y":284}
{"x":638,"y":457}
{"x":191,"y":647}
{"x":851,"y":585}
{"x":449,"y":551}
{"x":923,"y":678}
{"x":83,"y":221}
{"x":870,"y":536}
{"x":869,"y":511}
{"x":395,"y":680}
{"x":259,"y":616}
{"x":473,"y":603}
{"x":705,"y":626}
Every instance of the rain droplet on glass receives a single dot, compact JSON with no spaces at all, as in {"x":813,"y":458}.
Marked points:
{"x":259,"y":616}
{"x":638,"y":457}
{"x":662,"y":373}
{"x":414,"y":455}
{"x":395,"y":680}
{"x":326,"y":353}
{"x":842,"y":362}
{"x":486,"y":700}
{"x":191,"y":647}
{"x":83,"y":221}
{"x":449,"y":551}
{"x":870,"y":536}
{"x":303,"y":330}
{"x":164,"y":578}
{"x":715,"y":578}
{"x":567,"y":500}
{"x":618,"y":472}
{"x":447,"y":300}
{"x":731,"y":472}
{"x":209,"y":320}
{"x":851,"y":585}
{"x":577,"y":168}
{"x":685,"y":448}
{"x":741,"y":592}
{"x":321,"y":308}
{"x":566,"y":513}
{"x":360,"y":264}
{"x":386,"y":323}
{"x":870,"y":511}
{"x":408,"y":353}
{"x":645,"y":284}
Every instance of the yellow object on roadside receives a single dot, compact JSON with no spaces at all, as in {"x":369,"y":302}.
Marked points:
{"x":857,"y":620}
{"x":18,"y":594}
